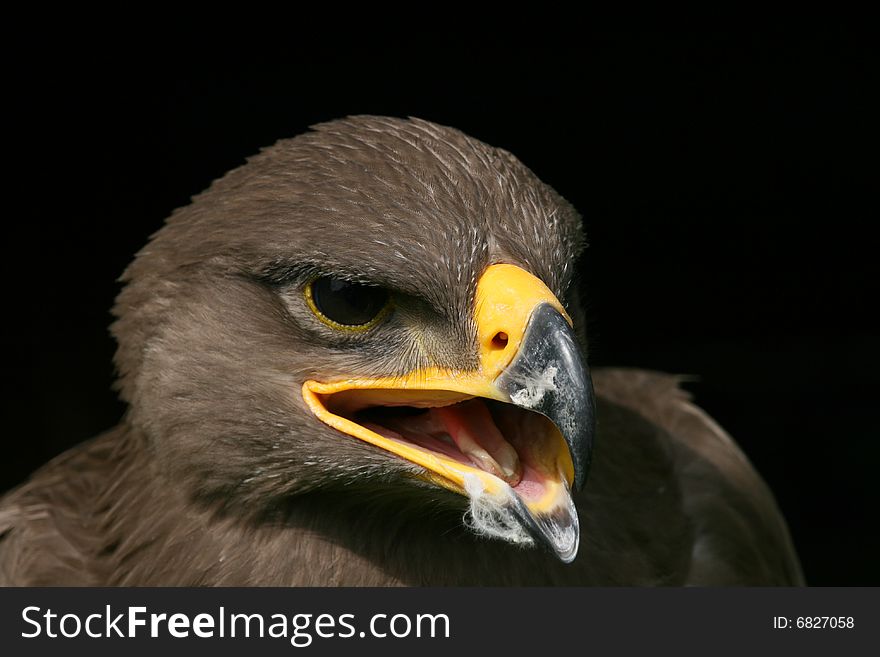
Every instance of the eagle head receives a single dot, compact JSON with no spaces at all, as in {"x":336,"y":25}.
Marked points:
{"x":376,"y":306}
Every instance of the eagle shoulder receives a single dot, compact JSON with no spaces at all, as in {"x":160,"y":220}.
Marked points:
{"x":739,"y":536}
{"x":48,"y":533}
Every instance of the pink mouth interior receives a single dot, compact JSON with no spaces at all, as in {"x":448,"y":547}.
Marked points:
{"x":511,"y":443}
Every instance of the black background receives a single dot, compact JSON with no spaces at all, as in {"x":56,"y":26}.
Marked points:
{"x":727,"y":180}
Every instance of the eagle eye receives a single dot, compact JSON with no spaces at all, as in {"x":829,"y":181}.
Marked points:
{"x":345,"y":305}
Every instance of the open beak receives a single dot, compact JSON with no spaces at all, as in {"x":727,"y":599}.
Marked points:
{"x":516,"y":433}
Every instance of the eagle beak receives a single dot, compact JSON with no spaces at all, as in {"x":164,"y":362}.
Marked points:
{"x":516,"y":434}
{"x":549,"y":376}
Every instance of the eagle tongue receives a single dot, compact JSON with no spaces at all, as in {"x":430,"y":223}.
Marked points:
{"x":471,"y":427}
{"x":464,"y":432}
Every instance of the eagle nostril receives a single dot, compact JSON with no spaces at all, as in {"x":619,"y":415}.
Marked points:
{"x":500,"y":340}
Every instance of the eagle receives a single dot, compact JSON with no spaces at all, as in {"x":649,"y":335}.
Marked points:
{"x":360,"y":359}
